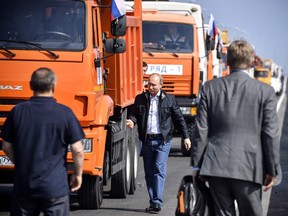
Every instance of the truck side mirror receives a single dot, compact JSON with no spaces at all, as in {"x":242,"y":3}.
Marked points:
{"x":219,"y":54}
{"x":118,"y":26}
{"x":201,"y":76}
{"x":212,"y":44}
{"x":208,"y":44}
{"x":115,"y":45}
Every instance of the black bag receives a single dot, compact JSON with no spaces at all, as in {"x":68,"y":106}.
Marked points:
{"x":194,"y":198}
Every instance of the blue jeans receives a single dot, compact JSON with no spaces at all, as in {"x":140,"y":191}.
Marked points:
{"x":155,"y":156}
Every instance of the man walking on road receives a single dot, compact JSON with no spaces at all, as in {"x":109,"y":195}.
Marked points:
{"x":154,"y":112}
{"x":36,"y":135}
{"x":237,"y":140}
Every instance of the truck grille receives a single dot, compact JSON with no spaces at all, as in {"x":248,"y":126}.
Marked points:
{"x":12,"y":102}
{"x":174,"y":86}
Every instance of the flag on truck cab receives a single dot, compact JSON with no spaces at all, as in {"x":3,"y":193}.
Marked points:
{"x":212,"y":29}
{"x":118,"y":9}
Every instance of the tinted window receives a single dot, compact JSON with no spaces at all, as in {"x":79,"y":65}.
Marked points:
{"x":58,"y":25}
{"x":167,"y":37}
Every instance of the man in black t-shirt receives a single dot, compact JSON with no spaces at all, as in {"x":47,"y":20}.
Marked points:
{"x":36,"y":135}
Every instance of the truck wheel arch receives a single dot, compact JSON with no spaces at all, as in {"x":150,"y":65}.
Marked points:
{"x":103,"y":110}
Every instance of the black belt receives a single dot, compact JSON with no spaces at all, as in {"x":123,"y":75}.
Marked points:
{"x":154,"y":136}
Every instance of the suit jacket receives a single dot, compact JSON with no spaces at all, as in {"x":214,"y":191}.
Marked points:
{"x":237,"y":129}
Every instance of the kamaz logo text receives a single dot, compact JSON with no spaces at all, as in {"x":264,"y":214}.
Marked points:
{"x":8,"y":87}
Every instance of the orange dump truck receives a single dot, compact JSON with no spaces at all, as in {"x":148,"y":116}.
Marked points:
{"x":177,"y":62}
{"x":98,"y":76}
{"x":181,"y":58}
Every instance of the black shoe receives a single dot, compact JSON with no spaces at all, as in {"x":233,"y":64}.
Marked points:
{"x":157,"y":208}
{"x":150,"y":209}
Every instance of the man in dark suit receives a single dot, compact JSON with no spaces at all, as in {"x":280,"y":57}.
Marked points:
{"x":236,"y":147}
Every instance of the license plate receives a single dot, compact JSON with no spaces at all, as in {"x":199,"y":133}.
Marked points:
{"x":4,"y":161}
{"x":165,"y":69}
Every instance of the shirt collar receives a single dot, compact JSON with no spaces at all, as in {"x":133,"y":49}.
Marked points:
{"x":239,"y":70}
{"x":156,"y":96}
{"x":42,"y":98}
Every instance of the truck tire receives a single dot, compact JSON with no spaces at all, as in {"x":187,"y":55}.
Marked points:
{"x":191,"y":124}
{"x":134,"y":149}
{"x":122,"y":179}
{"x":90,"y":195}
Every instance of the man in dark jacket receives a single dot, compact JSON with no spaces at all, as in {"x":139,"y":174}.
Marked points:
{"x":154,"y":112}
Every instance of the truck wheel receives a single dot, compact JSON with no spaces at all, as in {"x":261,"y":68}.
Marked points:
{"x":121,"y":180}
{"x":134,"y":146}
{"x":191,"y":124}
{"x":90,"y":195}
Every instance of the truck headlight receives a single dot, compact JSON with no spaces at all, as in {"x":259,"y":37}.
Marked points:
{"x":87,"y":145}
{"x":188,"y":110}
{"x":185,"y":110}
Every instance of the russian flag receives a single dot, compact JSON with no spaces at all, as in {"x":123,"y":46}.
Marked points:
{"x":212,"y":30}
{"x":118,"y":9}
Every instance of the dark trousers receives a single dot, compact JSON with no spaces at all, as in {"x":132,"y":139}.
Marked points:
{"x":225,"y":191}
{"x":26,"y":206}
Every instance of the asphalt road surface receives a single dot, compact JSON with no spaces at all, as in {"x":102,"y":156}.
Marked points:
{"x":275,"y":202}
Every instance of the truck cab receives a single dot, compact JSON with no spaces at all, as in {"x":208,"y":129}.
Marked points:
{"x":98,"y":64}
{"x":174,"y":46}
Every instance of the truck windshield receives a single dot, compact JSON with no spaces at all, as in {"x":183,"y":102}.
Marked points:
{"x":258,"y":74}
{"x":167,"y":37}
{"x":267,"y":65}
{"x":51,"y":24}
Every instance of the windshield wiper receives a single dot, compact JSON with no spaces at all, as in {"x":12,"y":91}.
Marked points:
{"x":8,"y":51}
{"x":33,"y":44}
{"x":150,"y":53}
{"x":174,"y":54}
{"x":161,"y":47}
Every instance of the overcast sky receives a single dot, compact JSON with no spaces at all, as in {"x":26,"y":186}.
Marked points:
{"x":263,"y":23}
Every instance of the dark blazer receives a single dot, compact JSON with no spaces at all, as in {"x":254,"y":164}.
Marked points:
{"x":169,"y":113}
{"x":237,"y":129}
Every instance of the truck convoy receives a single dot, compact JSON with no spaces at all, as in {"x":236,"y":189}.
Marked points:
{"x":77,"y":40}
{"x":183,"y":62}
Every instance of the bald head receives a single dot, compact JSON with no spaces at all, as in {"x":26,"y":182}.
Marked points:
{"x":43,"y":80}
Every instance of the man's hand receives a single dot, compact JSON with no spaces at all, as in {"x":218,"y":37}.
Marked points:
{"x":75,"y":182}
{"x":8,"y":149}
{"x":187,"y":143}
{"x":129,"y":123}
{"x":78,"y":159}
{"x":269,"y":182}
